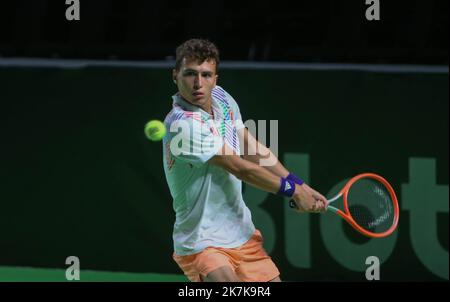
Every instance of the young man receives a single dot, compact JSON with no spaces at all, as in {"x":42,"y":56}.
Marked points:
{"x":214,"y":236}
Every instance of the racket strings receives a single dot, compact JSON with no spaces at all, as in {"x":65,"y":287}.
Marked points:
{"x":371,"y":205}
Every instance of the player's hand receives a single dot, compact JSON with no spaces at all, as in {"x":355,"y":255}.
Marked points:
{"x":309,"y":200}
{"x":322,"y":200}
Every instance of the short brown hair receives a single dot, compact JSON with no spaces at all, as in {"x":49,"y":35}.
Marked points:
{"x":200,"y":50}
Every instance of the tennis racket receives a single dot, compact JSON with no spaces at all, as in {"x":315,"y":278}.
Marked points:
{"x":370,"y":205}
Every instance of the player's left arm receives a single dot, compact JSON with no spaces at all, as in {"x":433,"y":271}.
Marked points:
{"x":258,"y":153}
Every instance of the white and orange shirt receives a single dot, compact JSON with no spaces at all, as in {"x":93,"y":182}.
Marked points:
{"x":207,"y":200}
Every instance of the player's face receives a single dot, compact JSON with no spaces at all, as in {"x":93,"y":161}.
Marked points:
{"x":196,"y":81}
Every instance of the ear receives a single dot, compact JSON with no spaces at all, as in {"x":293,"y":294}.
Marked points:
{"x":217,"y":78}
{"x":174,"y":75}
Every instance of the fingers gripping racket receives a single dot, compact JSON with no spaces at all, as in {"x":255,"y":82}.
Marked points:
{"x":370,"y":205}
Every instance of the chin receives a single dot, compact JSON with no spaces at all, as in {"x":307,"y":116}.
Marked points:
{"x":198,"y":102}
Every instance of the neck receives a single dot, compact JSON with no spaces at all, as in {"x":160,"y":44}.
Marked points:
{"x":207,"y":108}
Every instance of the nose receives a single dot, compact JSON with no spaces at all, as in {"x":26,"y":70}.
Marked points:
{"x":198,"y":82}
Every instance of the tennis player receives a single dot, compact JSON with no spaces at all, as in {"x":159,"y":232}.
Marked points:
{"x":214,"y":236}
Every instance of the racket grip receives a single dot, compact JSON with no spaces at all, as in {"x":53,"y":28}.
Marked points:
{"x":292,"y":204}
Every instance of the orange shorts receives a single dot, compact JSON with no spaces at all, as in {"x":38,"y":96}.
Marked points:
{"x":250,"y":261}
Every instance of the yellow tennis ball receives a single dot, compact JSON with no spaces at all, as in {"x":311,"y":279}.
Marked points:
{"x":155,"y":130}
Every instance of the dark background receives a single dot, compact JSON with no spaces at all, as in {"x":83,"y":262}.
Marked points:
{"x":409,"y":32}
{"x":79,"y":178}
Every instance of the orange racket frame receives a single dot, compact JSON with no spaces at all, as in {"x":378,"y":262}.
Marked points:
{"x":345,"y":214}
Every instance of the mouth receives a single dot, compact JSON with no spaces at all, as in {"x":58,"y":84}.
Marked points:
{"x":198,"y":94}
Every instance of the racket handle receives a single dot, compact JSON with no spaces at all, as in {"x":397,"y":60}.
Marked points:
{"x":292,"y":204}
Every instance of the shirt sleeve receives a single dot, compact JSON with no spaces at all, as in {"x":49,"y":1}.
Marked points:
{"x":236,"y":111}
{"x":194,"y":141}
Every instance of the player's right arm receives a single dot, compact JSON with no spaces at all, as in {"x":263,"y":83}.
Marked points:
{"x":262,"y":178}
